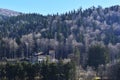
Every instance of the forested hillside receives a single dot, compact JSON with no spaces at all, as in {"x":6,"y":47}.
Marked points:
{"x":76,"y":32}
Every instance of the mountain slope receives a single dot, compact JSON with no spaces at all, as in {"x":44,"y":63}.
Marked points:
{"x":62,"y":33}
{"x":6,"y":12}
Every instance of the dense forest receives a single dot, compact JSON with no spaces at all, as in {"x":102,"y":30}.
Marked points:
{"x":43,"y":71}
{"x":92,"y":35}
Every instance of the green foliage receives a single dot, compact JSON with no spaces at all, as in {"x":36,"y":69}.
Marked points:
{"x":11,"y":71}
{"x":93,"y":22}
{"x":57,"y":71}
{"x":45,"y":71}
{"x":77,"y":56}
{"x":97,"y":56}
{"x":114,"y":71}
{"x":60,"y":33}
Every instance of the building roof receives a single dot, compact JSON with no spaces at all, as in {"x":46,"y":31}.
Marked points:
{"x":97,"y":78}
{"x":37,"y":54}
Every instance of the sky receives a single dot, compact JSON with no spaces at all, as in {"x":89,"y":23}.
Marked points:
{"x":53,"y":6}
